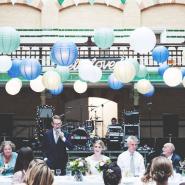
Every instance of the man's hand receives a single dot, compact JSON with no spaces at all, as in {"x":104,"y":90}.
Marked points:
{"x":61,"y":135}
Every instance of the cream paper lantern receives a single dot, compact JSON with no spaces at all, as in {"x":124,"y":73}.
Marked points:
{"x":142,"y":40}
{"x":143,"y":86}
{"x":79,"y":86}
{"x":124,"y":71}
{"x":37,"y":84}
{"x":51,"y":80}
{"x":172,"y":77}
{"x":5,"y":63}
{"x":13,"y":86}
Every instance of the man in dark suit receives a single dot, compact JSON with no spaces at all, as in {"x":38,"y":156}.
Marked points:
{"x":54,"y":146}
{"x":169,"y":152}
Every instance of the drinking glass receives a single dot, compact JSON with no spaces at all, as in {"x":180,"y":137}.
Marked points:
{"x":58,"y":172}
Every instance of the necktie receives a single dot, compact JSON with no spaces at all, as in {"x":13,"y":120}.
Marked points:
{"x":132,"y":168}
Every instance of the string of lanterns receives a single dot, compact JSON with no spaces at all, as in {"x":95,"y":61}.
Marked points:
{"x":64,"y":54}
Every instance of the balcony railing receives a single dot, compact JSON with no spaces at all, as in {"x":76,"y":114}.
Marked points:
{"x":89,"y":50}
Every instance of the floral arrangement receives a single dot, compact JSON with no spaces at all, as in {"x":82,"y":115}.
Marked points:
{"x":102,"y":165}
{"x":182,"y":164}
{"x":78,"y":165}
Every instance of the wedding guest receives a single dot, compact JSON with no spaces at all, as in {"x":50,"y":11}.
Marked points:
{"x":7,"y":158}
{"x":94,"y":160}
{"x":25,"y":155}
{"x":38,"y":173}
{"x":169,"y":152}
{"x":112,"y":174}
{"x":131,"y":161}
{"x":161,"y":169}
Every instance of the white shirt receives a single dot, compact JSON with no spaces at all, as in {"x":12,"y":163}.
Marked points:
{"x":56,"y":136}
{"x":92,"y":163}
{"x":124,"y":163}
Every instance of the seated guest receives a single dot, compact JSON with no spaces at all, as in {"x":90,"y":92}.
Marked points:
{"x":169,"y":152}
{"x":131,"y":162}
{"x":7,"y":158}
{"x":114,"y":121}
{"x":161,"y":169}
{"x":38,"y":173}
{"x":25,"y":155}
{"x":94,"y":160}
{"x":112,"y":174}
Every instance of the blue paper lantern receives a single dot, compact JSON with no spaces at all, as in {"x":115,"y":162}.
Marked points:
{"x":183,"y":72}
{"x":64,"y":53}
{"x":58,"y":90}
{"x":14,"y":71}
{"x":163,"y":67}
{"x":113,"y":83}
{"x":30,"y":68}
{"x":151,"y":92}
{"x":160,"y":54}
{"x":9,"y":40}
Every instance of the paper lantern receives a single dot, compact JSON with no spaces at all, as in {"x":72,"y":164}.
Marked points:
{"x":142,"y":40}
{"x":30,"y":68}
{"x":183,"y":71}
{"x":91,"y":2}
{"x":96,"y":74}
{"x":113,"y":83}
{"x":104,"y":37}
{"x":143,"y":86}
{"x":64,"y":53}
{"x":13,"y":86}
{"x":37,"y":84}
{"x":29,"y":1}
{"x":9,"y":40}
{"x":60,"y":2}
{"x":162,"y":68}
{"x":142,"y":71}
{"x":151,"y":92}
{"x":160,"y":54}
{"x":135,"y":63}
{"x":58,"y":90}
{"x":123,"y":1}
{"x":79,"y":86}
{"x":183,"y":81}
{"x":63,"y":71}
{"x":124,"y":71}
{"x":172,"y":77}
{"x":13,"y":1}
{"x":5,"y":63}
{"x":14,"y":71}
{"x":51,"y":80}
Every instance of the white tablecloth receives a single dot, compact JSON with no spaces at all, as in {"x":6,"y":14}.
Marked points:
{"x":96,"y":180}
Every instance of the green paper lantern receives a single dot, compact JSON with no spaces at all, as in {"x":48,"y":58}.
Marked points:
{"x":104,"y":37}
{"x":91,"y":2}
{"x":9,"y":40}
{"x":60,"y":2}
{"x":123,"y":1}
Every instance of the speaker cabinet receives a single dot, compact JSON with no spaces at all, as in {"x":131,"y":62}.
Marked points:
{"x":6,"y":124}
{"x":170,"y":124}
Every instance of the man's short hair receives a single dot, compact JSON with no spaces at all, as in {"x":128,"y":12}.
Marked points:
{"x":56,"y":117}
{"x":171,"y":146}
{"x":132,"y":138}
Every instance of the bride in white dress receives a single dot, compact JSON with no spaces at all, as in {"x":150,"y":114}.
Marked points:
{"x":94,"y":160}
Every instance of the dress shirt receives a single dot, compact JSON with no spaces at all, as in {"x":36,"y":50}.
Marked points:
{"x":56,"y":136}
{"x":124,"y":163}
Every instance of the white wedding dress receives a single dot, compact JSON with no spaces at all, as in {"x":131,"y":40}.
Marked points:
{"x":92,"y":163}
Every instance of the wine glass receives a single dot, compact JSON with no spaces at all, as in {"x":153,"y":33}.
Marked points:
{"x":68,"y":169}
{"x":58,"y":172}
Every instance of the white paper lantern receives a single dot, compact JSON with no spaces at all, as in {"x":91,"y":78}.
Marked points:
{"x":5,"y":63}
{"x":97,"y":74}
{"x":143,"y":86}
{"x":142,"y":40}
{"x":124,"y":71}
{"x":64,"y":72}
{"x":51,"y":80}
{"x":13,"y":86}
{"x":172,"y":77}
{"x":79,"y":86}
{"x":37,"y":84}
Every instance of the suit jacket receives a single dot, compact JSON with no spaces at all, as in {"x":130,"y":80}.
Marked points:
{"x":55,"y":152}
{"x":175,"y":161}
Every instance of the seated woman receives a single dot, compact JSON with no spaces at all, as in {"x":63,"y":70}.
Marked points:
{"x":7,"y":158}
{"x":94,"y":160}
{"x":112,"y":174}
{"x":25,"y":155}
{"x":160,"y":170}
{"x":38,"y":173}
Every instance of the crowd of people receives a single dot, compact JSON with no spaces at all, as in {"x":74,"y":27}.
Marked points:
{"x":29,"y":171}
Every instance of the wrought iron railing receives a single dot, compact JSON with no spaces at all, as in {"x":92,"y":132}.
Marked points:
{"x":89,"y":50}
